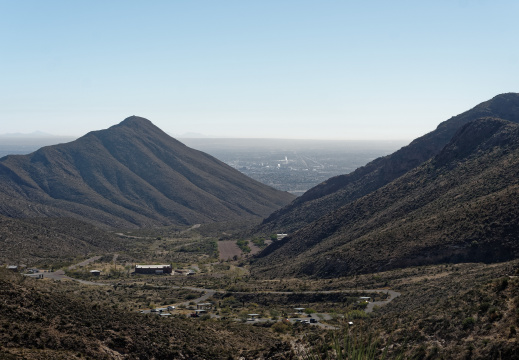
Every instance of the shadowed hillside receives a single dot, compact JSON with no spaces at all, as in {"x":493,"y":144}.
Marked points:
{"x":31,"y":241}
{"x":460,"y":206}
{"x":343,"y":189}
{"x":130,"y":175}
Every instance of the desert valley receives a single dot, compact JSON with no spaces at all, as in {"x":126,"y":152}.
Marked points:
{"x":127,"y":244}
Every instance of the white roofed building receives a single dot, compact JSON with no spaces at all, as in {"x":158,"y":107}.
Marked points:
{"x":153,"y":269}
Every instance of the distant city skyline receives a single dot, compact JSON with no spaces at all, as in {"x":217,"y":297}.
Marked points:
{"x":257,"y":69}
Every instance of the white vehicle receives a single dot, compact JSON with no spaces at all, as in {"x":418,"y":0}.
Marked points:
{"x":171,"y":307}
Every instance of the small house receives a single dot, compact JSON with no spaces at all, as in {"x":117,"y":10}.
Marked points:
{"x":95,"y":272}
{"x":204,"y":306}
{"x":198,"y":313}
{"x":252,"y":317}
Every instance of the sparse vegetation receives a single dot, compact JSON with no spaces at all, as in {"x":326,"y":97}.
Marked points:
{"x":243,"y":245}
{"x":455,"y":215}
{"x":432,"y":214}
{"x":45,"y":320}
{"x":350,"y":345}
{"x":259,"y":242}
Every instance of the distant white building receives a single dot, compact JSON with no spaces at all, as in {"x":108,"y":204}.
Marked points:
{"x":153,"y":269}
{"x":281,"y":236}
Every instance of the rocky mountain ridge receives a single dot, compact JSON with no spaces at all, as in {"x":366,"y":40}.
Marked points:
{"x":459,"y":206}
{"x":343,"y":189}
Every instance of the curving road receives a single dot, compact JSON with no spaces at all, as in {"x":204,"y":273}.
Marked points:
{"x":208,"y":293}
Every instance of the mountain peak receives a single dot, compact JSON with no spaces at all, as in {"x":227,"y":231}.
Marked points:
{"x":135,"y":121}
{"x":512,"y":96}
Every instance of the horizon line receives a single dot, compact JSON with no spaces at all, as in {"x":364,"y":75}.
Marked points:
{"x":41,"y":135}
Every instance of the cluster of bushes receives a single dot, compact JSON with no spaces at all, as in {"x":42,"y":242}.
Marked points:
{"x":259,"y":242}
{"x":243,"y":245}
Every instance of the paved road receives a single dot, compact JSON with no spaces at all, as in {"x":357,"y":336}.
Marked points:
{"x":207,"y":294}
{"x":392,"y":296}
{"x":83,"y":263}
{"x":210,"y":292}
{"x":60,"y":274}
{"x":322,"y":316}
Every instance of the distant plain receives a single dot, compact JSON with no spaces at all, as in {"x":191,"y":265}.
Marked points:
{"x":285,"y":164}
{"x":294,"y":165}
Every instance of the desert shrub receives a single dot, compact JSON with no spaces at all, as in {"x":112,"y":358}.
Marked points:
{"x":350,"y":346}
{"x":259,"y":242}
{"x":356,"y":314}
{"x":503,"y":284}
{"x":281,"y":327}
{"x":243,"y":245}
{"x":468,"y":323}
{"x":221,"y":267}
{"x":483,"y":307}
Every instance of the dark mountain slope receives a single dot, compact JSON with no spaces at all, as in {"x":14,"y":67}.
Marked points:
{"x":462,"y":205}
{"x":32,"y":241}
{"x":132,"y":174}
{"x":343,"y":189}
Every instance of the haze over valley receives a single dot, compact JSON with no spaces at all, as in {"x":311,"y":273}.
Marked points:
{"x":347,"y":185}
{"x":88,"y":222}
{"x":294,"y":165}
{"x":285,"y":164}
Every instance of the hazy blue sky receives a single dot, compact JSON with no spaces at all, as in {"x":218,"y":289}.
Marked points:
{"x":289,"y":69}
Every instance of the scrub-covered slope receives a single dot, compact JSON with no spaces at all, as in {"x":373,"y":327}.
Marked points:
{"x":32,"y":241}
{"x":48,"y":320}
{"x":462,"y":205}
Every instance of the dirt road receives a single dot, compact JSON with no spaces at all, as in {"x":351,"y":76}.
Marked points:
{"x":83,"y":263}
{"x":60,"y":274}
